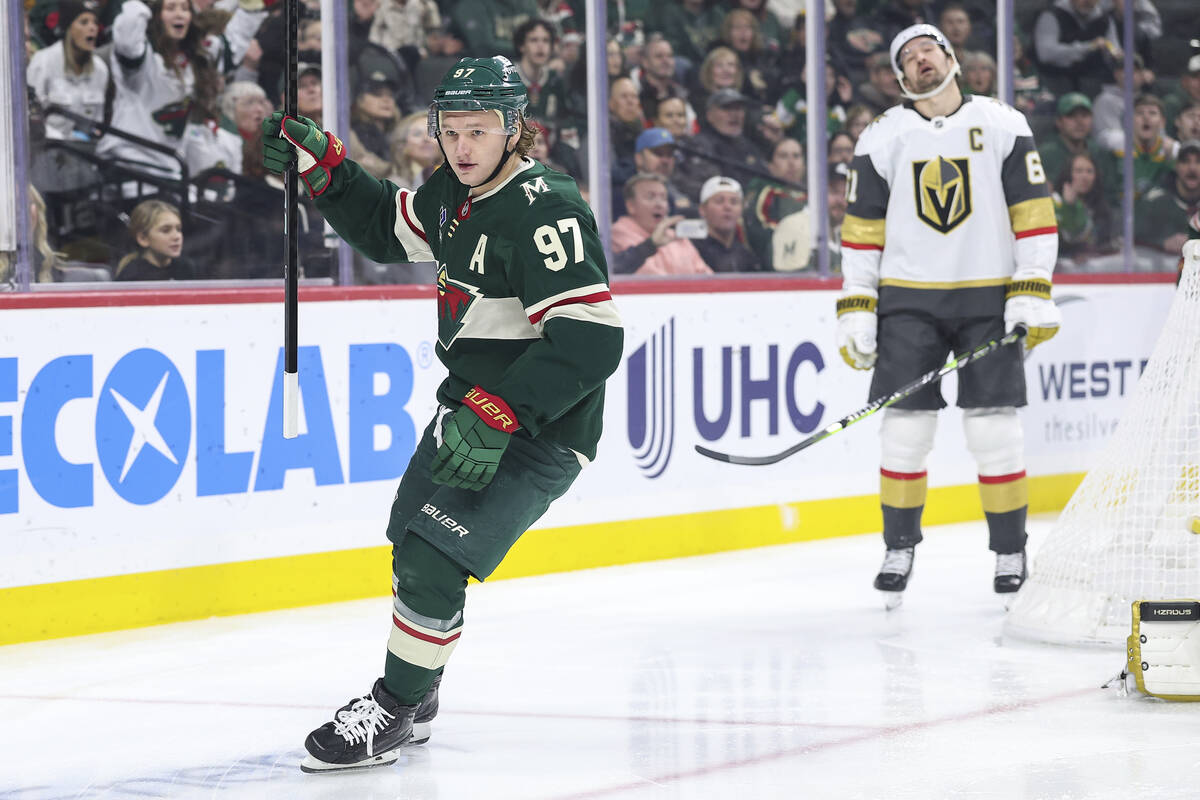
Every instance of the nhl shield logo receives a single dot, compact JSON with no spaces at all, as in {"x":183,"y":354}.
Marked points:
{"x":943,"y":192}
{"x":454,"y":301}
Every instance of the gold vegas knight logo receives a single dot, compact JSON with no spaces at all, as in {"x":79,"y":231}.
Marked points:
{"x":943,"y":189}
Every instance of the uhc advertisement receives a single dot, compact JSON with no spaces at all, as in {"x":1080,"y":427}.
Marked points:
{"x":148,"y":438}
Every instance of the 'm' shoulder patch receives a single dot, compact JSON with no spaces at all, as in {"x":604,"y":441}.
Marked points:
{"x":534,"y":187}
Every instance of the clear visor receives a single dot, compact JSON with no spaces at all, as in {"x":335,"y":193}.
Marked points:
{"x":469,"y":123}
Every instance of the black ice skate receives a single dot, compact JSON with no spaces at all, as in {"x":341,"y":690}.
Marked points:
{"x":368,"y":731}
{"x":893,"y":576}
{"x":1010,"y":572}
{"x":425,"y":713}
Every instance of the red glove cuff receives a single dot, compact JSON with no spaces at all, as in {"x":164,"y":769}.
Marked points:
{"x":494,"y":412}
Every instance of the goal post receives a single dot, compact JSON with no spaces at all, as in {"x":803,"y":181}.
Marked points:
{"x":1129,"y":532}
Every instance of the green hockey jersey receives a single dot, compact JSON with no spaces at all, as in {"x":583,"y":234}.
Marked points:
{"x":524,"y":309}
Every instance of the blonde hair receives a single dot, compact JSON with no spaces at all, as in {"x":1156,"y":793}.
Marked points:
{"x":41,"y":242}
{"x":706,"y":68}
{"x":141,"y":221}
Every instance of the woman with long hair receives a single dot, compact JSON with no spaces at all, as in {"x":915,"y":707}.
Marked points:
{"x":415,"y":154}
{"x":156,"y":229}
{"x":166,"y":80}
{"x":721,"y":69}
{"x":741,"y":32}
{"x":1085,"y":221}
{"x":68,"y":73}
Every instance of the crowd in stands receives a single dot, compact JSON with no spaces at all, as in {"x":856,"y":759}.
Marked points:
{"x":146,"y":115}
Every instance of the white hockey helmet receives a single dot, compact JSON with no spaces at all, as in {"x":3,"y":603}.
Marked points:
{"x":916,"y":32}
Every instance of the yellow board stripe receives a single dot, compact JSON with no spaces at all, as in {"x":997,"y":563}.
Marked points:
{"x":1032,"y":214}
{"x":863,"y":231}
{"x":72,"y":608}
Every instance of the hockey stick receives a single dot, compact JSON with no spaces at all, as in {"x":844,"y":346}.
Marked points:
{"x":291,"y":292}
{"x":954,"y":364}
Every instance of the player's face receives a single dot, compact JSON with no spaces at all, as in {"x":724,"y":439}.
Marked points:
{"x":649,"y":205}
{"x":176,"y":18}
{"x":164,"y":240}
{"x":788,"y":162}
{"x":672,"y":115}
{"x":83,"y":32}
{"x":474,"y":143}
{"x":1187,"y":170}
{"x":925,"y":65}
{"x":537,"y":46}
{"x":722,"y":211}
{"x":1075,"y":126}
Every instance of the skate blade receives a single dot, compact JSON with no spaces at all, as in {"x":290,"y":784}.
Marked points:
{"x":420,"y":733}
{"x":315,"y":766}
{"x":892,"y":600}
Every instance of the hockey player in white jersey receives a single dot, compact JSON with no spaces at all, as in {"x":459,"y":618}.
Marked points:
{"x":949,"y":241}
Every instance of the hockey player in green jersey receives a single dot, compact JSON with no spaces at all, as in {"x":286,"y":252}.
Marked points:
{"x":529,"y":334}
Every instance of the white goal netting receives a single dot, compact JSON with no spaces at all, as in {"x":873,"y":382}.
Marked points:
{"x":1126,"y":533}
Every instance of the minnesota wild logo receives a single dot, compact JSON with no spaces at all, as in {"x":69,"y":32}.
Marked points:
{"x":454,"y":300}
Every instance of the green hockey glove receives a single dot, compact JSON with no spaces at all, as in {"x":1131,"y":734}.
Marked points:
{"x":473,"y":439}
{"x":288,"y":140}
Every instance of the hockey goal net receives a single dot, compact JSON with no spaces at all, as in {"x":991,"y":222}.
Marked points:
{"x":1130,"y":530}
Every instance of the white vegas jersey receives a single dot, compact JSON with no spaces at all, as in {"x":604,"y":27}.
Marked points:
{"x":947,"y":203}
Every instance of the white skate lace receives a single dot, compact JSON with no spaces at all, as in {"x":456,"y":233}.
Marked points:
{"x":1010,"y":564}
{"x":898,"y":562}
{"x":361,"y":721}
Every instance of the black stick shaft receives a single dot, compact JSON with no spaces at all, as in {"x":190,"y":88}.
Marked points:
{"x":291,"y":298}
{"x":953,"y":365}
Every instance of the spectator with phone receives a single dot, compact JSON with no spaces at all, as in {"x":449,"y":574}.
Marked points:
{"x":723,"y":249}
{"x":645,"y":240}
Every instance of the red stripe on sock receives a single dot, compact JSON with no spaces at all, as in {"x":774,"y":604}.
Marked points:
{"x":1015,"y":476}
{"x":424,"y":637}
{"x":903,"y":476}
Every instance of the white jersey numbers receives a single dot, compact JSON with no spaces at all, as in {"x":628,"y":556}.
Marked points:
{"x":550,"y":244}
{"x":1033,"y":167}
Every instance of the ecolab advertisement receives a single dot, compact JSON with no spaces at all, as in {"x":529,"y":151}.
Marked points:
{"x":146,"y":438}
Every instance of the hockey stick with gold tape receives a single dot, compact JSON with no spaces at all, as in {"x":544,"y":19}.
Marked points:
{"x":954,"y":364}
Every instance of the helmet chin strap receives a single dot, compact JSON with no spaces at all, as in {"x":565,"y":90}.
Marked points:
{"x":954,"y":71}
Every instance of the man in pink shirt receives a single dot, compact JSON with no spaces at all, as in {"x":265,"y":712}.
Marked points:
{"x":644,"y":240}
